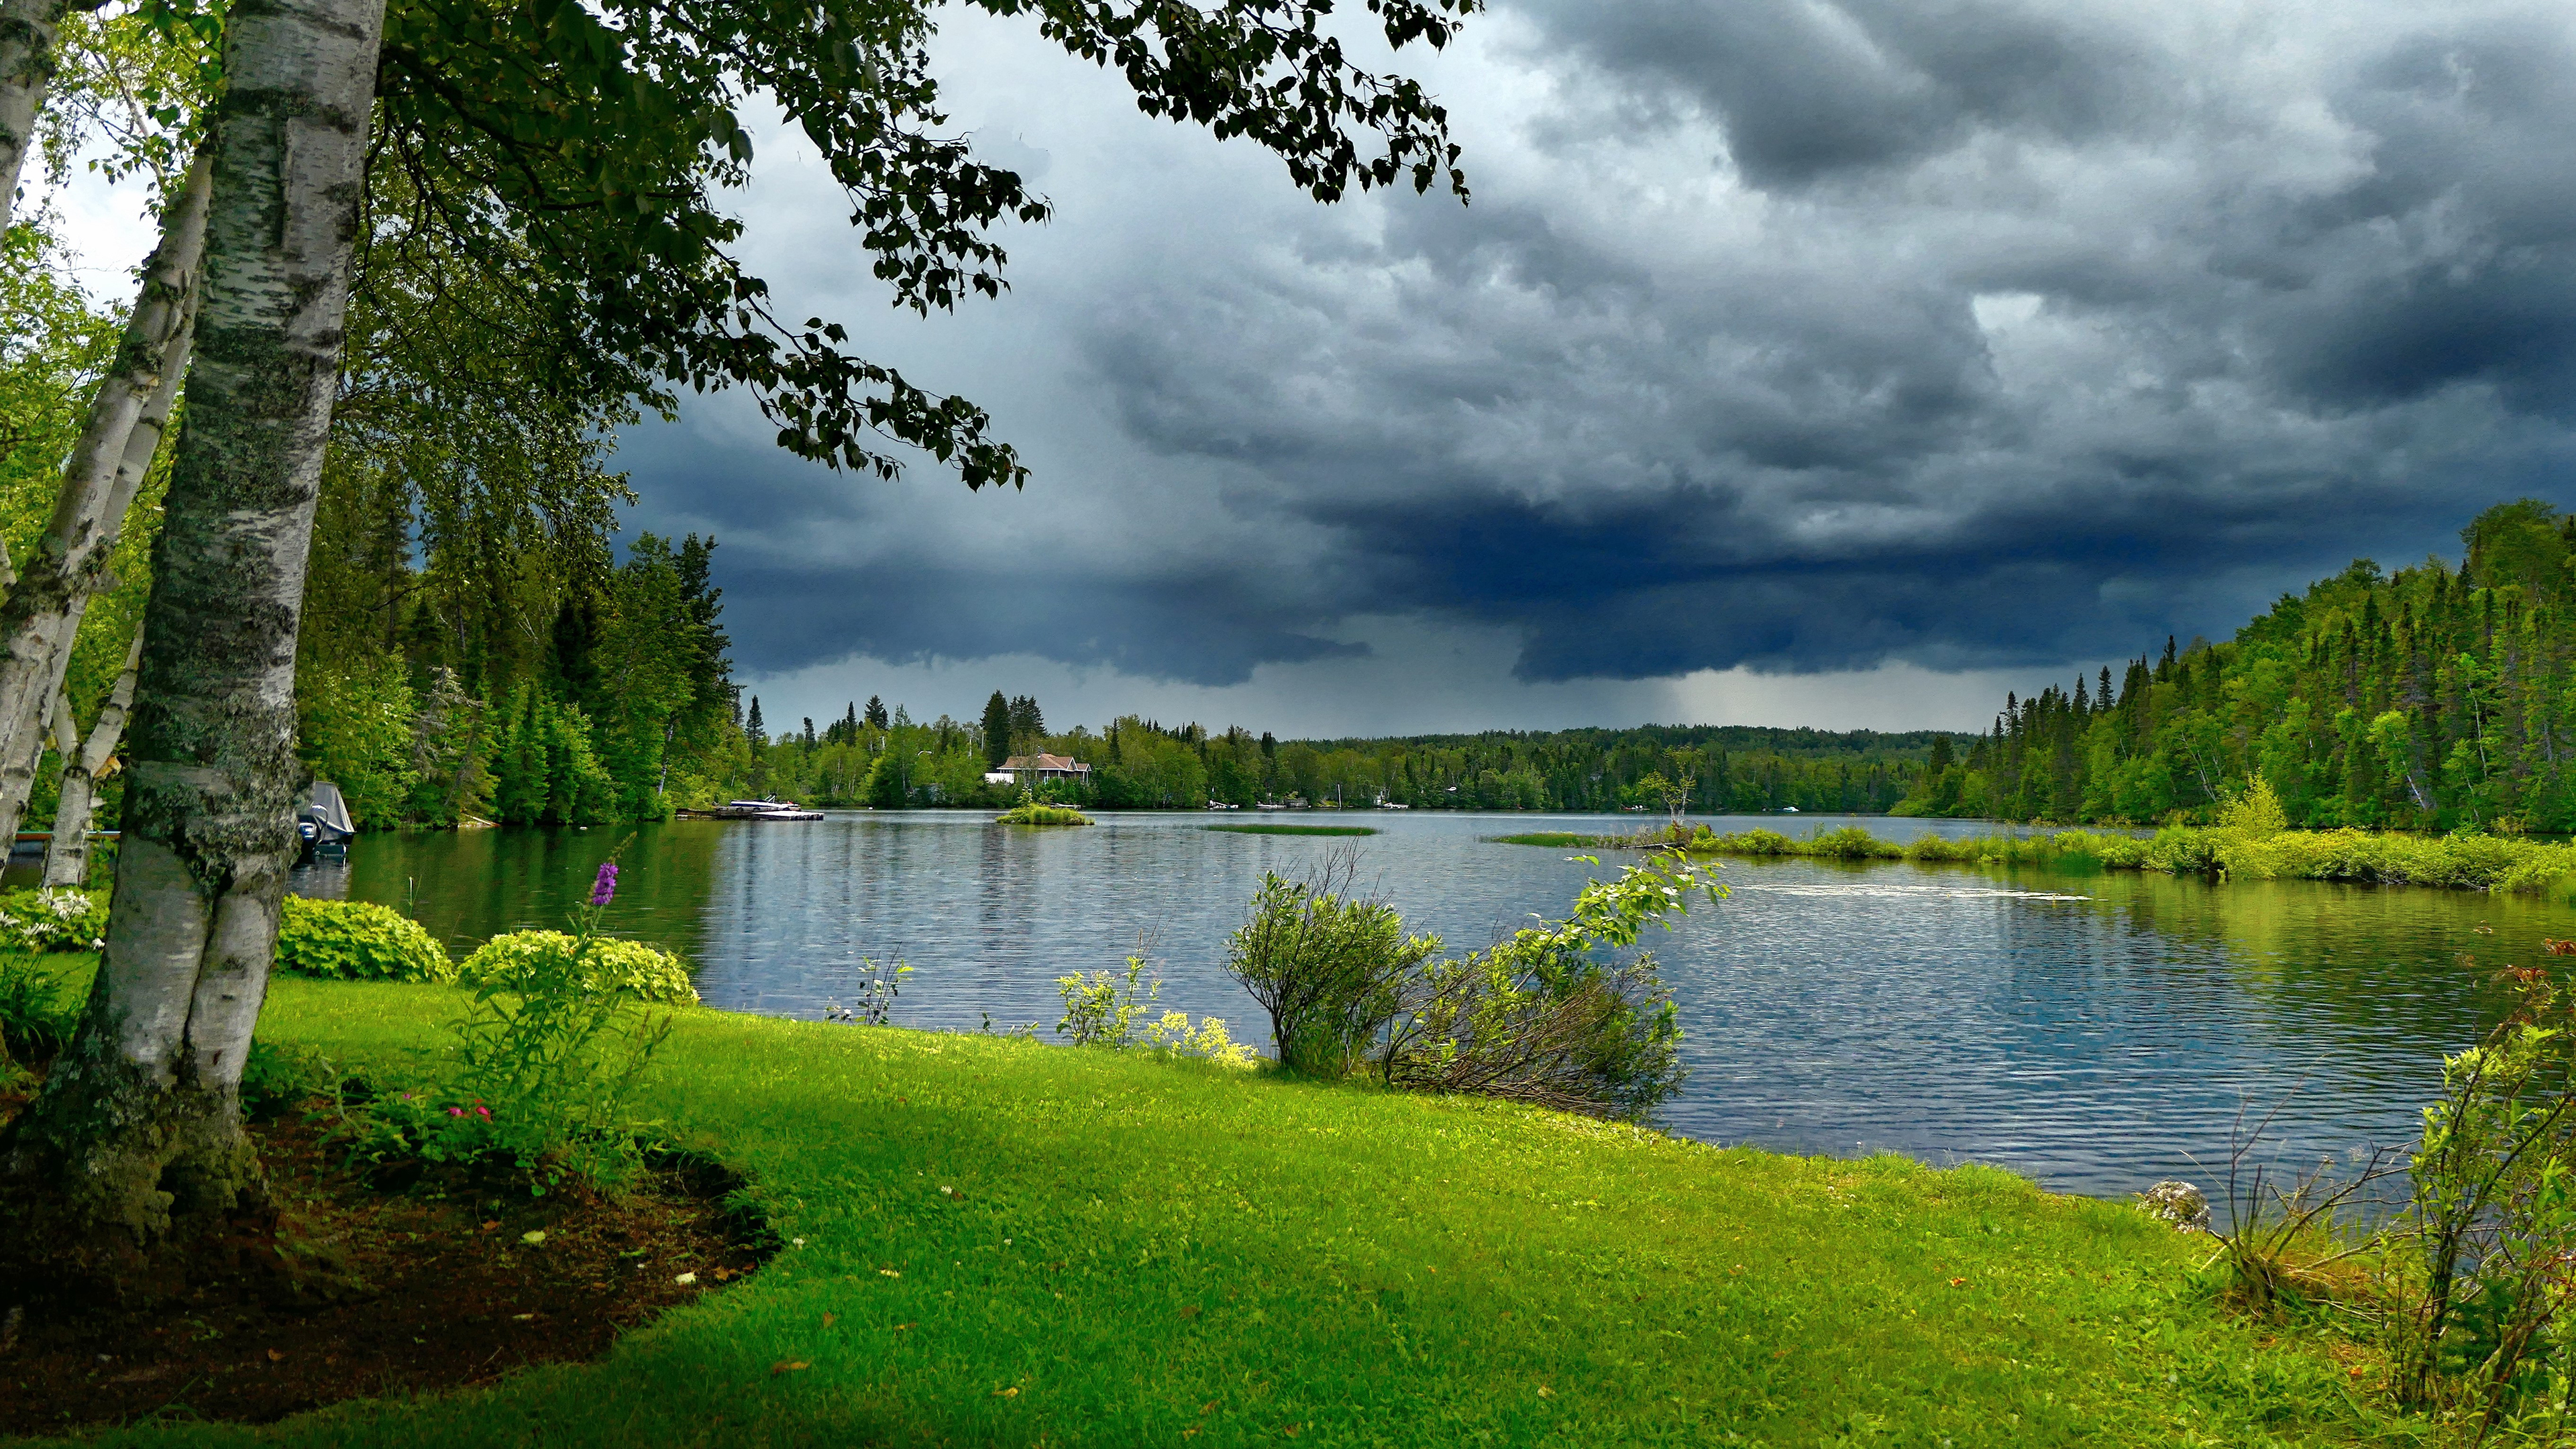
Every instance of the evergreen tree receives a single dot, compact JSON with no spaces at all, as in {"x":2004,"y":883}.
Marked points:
{"x":752,"y":725}
{"x":877,"y":711}
{"x":997,"y":730}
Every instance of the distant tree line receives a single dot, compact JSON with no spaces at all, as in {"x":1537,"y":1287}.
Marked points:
{"x":2434,"y":698}
{"x":873,"y":757}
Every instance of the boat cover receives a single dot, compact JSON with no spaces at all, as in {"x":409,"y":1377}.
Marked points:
{"x":326,"y":809}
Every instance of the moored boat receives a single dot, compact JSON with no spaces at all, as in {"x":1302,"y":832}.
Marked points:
{"x":759,"y":810}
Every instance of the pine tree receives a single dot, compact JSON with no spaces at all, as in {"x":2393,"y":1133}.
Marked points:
{"x":997,"y":730}
{"x":751,"y":724}
{"x":876,"y":715}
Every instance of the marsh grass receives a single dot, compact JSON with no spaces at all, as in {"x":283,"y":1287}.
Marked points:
{"x":1141,"y":1248}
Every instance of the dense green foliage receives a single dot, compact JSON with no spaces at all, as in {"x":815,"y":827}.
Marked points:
{"x":1365,"y":1267}
{"x":646,"y":973}
{"x":357,"y":941}
{"x":2433,"y":698}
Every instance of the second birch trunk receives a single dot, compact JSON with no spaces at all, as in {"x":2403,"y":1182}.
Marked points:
{"x":67,"y":855}
{"x":127,"y":414}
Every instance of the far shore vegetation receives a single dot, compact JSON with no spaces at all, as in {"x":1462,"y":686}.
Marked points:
{"x":2249,"y":842}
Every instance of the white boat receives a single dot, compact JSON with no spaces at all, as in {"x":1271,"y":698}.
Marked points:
{"x":763,"y":810}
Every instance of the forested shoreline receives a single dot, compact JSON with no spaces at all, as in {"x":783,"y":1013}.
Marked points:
{"x":884,"y":759}
{"x":2433,"y":698}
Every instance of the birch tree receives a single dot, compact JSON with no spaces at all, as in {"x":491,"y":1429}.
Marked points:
{"x":127,"y":414}
{"x":67,"y":854}
{"x":29,"y":30}
{"x":136,"y":1136}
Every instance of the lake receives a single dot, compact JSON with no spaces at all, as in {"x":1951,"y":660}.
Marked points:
{"x":2097,"y":1032}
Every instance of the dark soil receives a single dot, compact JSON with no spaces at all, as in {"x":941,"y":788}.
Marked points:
{"x":431,"y":1287}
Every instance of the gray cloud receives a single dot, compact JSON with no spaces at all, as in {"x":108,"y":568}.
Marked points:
{"x":1790,"y":336}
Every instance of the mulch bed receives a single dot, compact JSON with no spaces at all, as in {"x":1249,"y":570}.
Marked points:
{"x":432,"y":1287}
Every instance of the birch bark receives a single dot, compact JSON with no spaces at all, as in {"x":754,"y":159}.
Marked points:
{"x":126,"y":417}
{"x":29,"y":30}
{"x":67,"y":855}
{"x":136,"y":1138}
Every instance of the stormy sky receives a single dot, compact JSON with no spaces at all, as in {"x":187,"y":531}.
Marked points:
{"x":1836,"y":362}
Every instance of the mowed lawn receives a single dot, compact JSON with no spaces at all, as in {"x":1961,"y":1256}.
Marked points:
{"x":1016,"y":1244}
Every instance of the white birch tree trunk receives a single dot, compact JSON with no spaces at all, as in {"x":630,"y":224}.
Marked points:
{"x":126,"y":417}
{"x":67,"y":855}
{"x":29,"y":30}
{"x":136,"y":1138}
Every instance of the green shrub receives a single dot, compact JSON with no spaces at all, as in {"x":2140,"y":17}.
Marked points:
{"x":514,"y":961}
{"x":357,"y":941}
{"x":53,"y":920}
{"x":1329,"y":969}
{"x":1542,"y":1017}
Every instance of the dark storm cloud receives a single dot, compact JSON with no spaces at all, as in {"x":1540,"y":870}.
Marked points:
{"x":1808,"y":90}
{"x":1783,"y":334}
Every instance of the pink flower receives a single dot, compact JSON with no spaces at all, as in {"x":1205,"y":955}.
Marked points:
{"x":604,"y":889}
{"x":455,"y":1111}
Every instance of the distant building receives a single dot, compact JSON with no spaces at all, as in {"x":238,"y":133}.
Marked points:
{"x":1038,"y":769}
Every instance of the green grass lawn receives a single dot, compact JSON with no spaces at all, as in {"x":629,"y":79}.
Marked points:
{"x":1293,"y":829}
{"x":1016,"y":1244}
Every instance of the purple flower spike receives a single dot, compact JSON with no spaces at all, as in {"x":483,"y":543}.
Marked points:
{"x":605,"y":890}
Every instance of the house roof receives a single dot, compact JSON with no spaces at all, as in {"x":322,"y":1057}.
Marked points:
{"x":1045,"y":762}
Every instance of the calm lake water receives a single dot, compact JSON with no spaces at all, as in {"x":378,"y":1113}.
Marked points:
{"x":2096,"y":1032}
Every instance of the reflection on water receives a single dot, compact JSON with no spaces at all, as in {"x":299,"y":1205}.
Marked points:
{"x":2096,"y":1031}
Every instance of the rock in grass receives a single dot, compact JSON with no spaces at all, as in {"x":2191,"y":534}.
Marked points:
{"x":2178,"y":1203}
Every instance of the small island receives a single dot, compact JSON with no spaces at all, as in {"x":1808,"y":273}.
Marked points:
{"x":1034,"y":812}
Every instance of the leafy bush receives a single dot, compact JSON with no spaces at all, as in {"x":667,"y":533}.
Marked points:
{"x":1329,"y":969}
{"x":1539,"y":1017}
{"x":524,"y":960}
{"x":53,"y":920}
{"x":357,"y":941}
{"x":2492,"y":1219}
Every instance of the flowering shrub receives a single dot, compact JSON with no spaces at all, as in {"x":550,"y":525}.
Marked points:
{"x":645,"y":972}
{"x":1103,"y":1010}
{"x":550,"y":1048}
{"x":53,"y":920}
{"x":357,"y":941}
